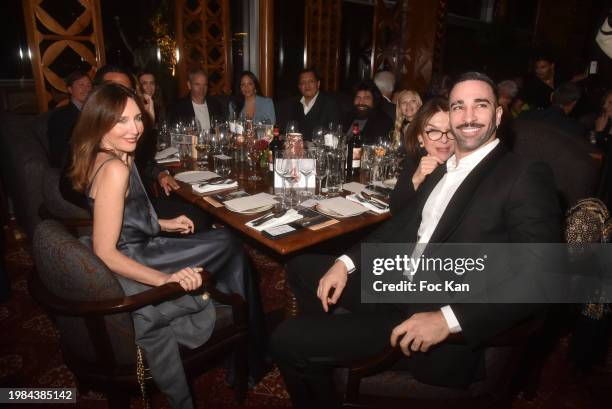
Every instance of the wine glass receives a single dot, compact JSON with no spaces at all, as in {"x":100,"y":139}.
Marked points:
{"x":307,"y":165}
{"x":254,"y":155}
{"x":203,"y":147}
{"x":321,"y":170}
{"x":318,"y":136}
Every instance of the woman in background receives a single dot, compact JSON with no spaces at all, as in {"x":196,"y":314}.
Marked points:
{"x":408,"y":104}
{"x":247,"y":101}
{"x":428,"y":143}
{"x":149,"y":87}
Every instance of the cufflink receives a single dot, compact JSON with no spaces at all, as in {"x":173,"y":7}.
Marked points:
{"x":205,"y":296}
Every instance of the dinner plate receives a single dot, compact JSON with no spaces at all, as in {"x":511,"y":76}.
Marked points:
{"x":335,"y":215}
{"x":255,"y":210}
{"x":193,"y":176}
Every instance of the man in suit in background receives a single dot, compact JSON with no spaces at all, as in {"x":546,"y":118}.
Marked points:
{"x":63,"y":119}
{"x":367,"y":115}
{"x":385,"y":81}
{"x":483,"y":194}
{"x":197,"y":104}
{"x":313,"y":109}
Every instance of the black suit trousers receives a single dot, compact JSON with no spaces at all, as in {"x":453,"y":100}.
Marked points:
{"x":308,"y":348}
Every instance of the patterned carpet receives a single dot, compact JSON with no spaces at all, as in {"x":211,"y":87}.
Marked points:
{"x":30,"y":355}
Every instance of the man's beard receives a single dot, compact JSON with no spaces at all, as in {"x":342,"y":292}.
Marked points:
{"x":362,"y":111}
{"x":469,"y":145}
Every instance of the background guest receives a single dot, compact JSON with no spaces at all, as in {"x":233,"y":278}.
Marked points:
{"x":62,"y":120}
{"x":385,"y":81}
{"x":366,"y":114}
{"x":197,"y":105}
{"x":150,"y":88}
{"x":428,"y":144}
{"x":408,"y":103}
{"x":247,"y":101}
{"x":315,"y":108}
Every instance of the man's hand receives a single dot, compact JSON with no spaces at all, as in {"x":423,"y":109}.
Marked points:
{"x":335,"y":278}
{"x":181,"y":224}
{"x":167,"y":183}
{"x":420,"y":332}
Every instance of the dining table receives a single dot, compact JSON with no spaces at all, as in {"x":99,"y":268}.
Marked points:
{"x":283,"y":246}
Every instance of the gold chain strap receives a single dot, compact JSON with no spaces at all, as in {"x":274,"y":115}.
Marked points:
{"x":140,"y":375}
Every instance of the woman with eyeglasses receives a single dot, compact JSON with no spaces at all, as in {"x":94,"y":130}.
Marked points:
{"x":429,"y":143}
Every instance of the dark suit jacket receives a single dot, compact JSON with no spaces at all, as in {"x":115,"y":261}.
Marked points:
{"x":389,"y":109}
{"x":183,"y":109}
{"x":324,"y":111}
{"x":61,"y":123}
{"x":574,"y":170}
{"x":505,"y":199}
{"x":378,"y":126}
{"x":555,"y":117}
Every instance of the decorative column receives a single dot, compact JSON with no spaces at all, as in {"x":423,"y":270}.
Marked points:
{"x":266,"y":46}
{"x":203,"y":40}
{"x":407,"y":40}
{"x":322,"y":25}
{"x":51,"y":44}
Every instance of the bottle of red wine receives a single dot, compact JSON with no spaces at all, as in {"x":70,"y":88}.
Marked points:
{"x":275,"y":147}
{"x":353,"y":154}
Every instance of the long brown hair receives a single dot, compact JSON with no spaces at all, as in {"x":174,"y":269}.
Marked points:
{"x":418,"y":123}
{"x":101,"y":112}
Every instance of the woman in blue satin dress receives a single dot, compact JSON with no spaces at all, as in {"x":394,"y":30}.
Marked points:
{"x":126,"y":237}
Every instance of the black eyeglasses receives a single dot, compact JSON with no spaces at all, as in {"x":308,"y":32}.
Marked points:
{"x":435,"y":135}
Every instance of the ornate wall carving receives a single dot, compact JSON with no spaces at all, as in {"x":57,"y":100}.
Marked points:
{"x":203,"y":39}
{"x":322,"y":24}
{"x":407,"y":40}
{"x":52,"y":42}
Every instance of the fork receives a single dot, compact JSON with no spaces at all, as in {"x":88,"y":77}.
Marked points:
{"x":267,"y":217}
{"x":375,"y":204}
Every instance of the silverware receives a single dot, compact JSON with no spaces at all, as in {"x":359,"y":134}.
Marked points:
{"x":267,"y":217}
{"x":370,"y":197}
{"x":371,"y":202}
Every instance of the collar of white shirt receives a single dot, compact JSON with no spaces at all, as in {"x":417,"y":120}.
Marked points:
{"x":470,"y":161}
{"x":308,"y":107}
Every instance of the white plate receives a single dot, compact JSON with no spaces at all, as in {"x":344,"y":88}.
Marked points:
{"x":335,"y":215}
{"x":254,"y":211}
{"x":194,"y":176}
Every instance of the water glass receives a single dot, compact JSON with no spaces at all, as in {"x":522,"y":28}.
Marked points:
{"x":223,"y":166}
{"x":335,"y":175}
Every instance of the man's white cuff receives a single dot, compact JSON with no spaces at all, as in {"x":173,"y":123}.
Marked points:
{"x":350,"y":266}
{"x":451,"y":320}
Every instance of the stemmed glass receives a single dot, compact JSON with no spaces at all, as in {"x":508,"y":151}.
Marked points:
{"x":203,"y":147}
{"x":286,"y":167}
{"x":321,"y":169}
{"x":318,"y":136}
{"x":254,"y":154}
{"x":307,"y":165}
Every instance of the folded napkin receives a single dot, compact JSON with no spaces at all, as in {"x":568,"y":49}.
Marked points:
{"x":354,"y":187}
{"x":291,"y":216}
{"x":167,"y":155}
{"x":195,"y":176}
{"x":342,"y":207}
{"x":199,"y":188}
{"x":245,"y":204}
{"x":369,"y":206}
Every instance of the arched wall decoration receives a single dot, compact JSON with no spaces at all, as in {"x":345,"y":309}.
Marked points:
{"x":203,"y":40}
{"x":407,"y":40}
{"x":58,"y":38}
{"x":322,"y":25}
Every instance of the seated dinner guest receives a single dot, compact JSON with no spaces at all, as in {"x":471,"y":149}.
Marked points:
{"x":315,"y":108}
{"x":373,"y":123}
{"x":197,"y":105}
{"x":408,"y":104}
{"x":62,"y":119}
{"x":126,"y":238}
{"x":429,"y":143}
{"x":150,"y":88}
{"x":248,"y":103}
{"x":483,"y":194}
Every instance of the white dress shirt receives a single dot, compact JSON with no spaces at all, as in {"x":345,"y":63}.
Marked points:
{"x":201,"y":114}
{"x":440,"y":196}
{"x":308,"y":106}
